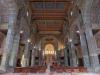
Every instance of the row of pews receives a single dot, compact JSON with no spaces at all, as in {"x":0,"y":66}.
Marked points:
{"x":61,"y":69}
{"x":35,"y":69}
{"x":42,"y":69}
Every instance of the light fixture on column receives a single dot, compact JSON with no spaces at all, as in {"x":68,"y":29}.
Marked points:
{"x":39,"y":49}
{"x":21,"y":31}
{"x":43,"y":53}
{"x":28,"y":40}
{"x":70,"y":40}
{"x":27,"y":13}
{"x":34,"y":47}
{"x":77,"y":31}
{"x":71,"y":13}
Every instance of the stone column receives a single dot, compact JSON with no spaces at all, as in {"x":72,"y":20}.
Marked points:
{"x":26,"y":55}
{"x":90,"y":40}
{"x":66,"y":55}
{"x":13,"y":57}
{"x":70,"y":54}
{"x":33,"y":57}
{"x":9,"y":42}
{"x":40,"y":57}
{"x":92,"y":49}
{"x":85,"y":50}
{"x":2,"y":46}
{"x":58,"y":59}
{"x":74,"y":58}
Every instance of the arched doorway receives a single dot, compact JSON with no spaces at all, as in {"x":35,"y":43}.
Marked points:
{"x":49,"y":53}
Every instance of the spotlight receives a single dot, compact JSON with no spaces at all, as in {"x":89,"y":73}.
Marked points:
{"x":70,"y":40}
{"x":39,"y":49}
{"x":71,"y":13}
{"x":28,"y":40}
{"x":78,"y":31}
{"x":34,"y":47}
{"x":27,"y":13}
{"x":21,"y":32}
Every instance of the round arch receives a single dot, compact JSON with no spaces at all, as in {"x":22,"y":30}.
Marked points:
{"x":49,"y":49}
{"x":49,"y":40}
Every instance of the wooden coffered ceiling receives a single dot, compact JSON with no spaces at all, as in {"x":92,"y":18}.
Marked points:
{"x":49,"y":15}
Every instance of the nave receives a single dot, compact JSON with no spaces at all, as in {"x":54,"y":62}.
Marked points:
{"x":49,"y":36}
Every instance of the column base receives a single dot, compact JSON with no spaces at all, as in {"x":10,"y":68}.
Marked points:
{"x":8,"y":70}
{"x":97,"y":69}
{"x":94,"y":70}
{"x":2,"y":69}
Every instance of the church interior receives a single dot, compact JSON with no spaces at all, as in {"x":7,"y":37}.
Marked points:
{"x":49,"y":37}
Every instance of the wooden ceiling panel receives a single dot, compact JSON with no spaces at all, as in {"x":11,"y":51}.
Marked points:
{"x":48,"y":14}
{"x":49,"y":32}
{"x":50,"y":27}
{"x":50,"y":10}
{"x":48,"y":17}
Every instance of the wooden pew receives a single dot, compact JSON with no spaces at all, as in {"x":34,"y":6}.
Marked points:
{"x":75,"y":69}
{"x":60,"y":69}
{"x":35,"y":69}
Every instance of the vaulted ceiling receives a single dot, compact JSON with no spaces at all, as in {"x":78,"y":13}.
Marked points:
{"x":49,"y":16}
